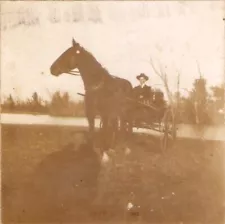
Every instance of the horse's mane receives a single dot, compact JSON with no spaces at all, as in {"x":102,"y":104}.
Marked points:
{"x":89,"y":54}
{"x":103,"y":70}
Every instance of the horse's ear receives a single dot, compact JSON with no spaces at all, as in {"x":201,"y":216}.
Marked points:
{"x":74,"y":42}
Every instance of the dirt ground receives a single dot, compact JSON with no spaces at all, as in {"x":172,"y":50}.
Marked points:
{"x":48,"y":177}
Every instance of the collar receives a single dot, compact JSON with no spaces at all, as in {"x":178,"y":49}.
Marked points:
{"x":96,"y":87}
{"x":143,"y":85}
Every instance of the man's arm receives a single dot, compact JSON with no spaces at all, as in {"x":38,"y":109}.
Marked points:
{"x":147,"y":93}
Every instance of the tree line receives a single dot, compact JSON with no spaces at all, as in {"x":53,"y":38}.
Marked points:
{"x":59,"y":105}
{"x":198,"y":106}
{"x":201,"y":106}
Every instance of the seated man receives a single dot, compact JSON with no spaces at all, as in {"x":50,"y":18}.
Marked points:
{"x":142,"y":92}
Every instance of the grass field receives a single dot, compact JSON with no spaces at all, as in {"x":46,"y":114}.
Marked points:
{"x":47,"y":178}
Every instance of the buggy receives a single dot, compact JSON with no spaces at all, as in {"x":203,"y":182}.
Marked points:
{"x":155,"y":114}
{"x":100,"y":85}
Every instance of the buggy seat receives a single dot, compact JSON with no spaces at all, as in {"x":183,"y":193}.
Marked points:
{"x":158,"y":99}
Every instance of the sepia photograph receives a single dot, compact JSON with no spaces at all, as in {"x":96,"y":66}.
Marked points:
{"x":112,"y":112}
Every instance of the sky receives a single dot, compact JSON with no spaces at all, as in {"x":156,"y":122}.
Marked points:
{"x":185,"y":37}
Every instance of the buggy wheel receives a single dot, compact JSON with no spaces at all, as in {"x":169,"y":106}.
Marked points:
{"x":100,"y":125}
{"x":168,"y":129}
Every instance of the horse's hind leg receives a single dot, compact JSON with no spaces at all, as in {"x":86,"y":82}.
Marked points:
{"x":106,"y":134}
{"x":104,"y":141}
{"x":126,"y":131}
{"x":113,"y":132}
{"x":109,"y":132}
{"x":91,"y":132}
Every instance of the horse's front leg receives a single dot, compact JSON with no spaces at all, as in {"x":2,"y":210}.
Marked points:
{"x":104,"y":141}
{"x":104,"y":134}
{"x":90,"y":115}
{"x":91,"y":124}
{"x":113,"y":131}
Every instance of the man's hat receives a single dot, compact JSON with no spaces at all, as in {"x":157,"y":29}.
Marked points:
{"x":142,"y":75}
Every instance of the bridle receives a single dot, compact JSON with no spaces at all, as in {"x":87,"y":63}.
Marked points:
{"x":92,"y":88}
{"x":73,"y":73}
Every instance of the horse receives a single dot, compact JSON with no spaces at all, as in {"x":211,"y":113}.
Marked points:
{"x":105,"y":94}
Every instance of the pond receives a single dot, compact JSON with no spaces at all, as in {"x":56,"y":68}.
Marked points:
{"x":184,"y":130}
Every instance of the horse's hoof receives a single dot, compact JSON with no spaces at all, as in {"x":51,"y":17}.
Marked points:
{"x":105,"y":158}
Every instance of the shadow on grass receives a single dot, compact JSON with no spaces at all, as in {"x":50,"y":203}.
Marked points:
{"x":62,"y":187}
{"x":184,"y":184}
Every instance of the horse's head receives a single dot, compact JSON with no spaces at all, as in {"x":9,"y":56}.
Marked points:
{"x":67,"y":61}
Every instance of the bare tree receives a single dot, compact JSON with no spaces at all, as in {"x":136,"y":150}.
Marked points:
{"x":163,"y":76}
{"x":173,"y":103}
{"x":200,"y":98}
{"x":178,"y":95}
{"x":196,"y":103}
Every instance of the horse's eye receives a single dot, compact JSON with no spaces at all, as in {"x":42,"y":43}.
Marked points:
{"x":77,"y":52}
